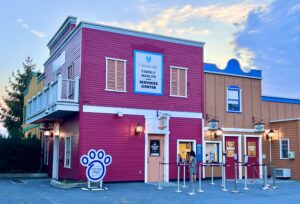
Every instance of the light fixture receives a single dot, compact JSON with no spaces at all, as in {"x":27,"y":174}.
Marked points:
{"x":270,"y":134}
{"x":218,"y":132}
{"x":47,"y":133}
{"x":138,"y":129}
{"x":259,"y":127}
{"x":213,"y":124}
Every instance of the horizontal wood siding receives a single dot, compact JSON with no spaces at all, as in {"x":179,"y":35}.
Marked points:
{"x":115,"y":135}
{"x":73,"y":57}
{"x":69,"y":128}
{"x":291,"y":131}
{"x":62,"y":38}
{"x":100,"y":44}
{"x":186,"y":129}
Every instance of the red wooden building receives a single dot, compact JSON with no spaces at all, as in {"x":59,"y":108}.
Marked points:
{"x":103,"y":85}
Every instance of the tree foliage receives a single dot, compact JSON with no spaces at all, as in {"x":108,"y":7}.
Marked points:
{"x":11,"y":115}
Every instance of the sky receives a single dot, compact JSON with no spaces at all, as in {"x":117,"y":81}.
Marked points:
{"x":261,"y":34}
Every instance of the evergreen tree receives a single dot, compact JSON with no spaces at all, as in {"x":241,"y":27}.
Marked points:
{"x":11,"y":115}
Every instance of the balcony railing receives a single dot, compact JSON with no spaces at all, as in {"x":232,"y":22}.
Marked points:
{"x":64,"y":91}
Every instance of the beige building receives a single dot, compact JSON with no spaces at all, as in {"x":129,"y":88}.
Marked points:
{"x":34,"y":86}
{"x":233,"y":98}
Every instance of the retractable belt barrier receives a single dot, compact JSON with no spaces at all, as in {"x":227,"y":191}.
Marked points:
{"x":201,"y":167}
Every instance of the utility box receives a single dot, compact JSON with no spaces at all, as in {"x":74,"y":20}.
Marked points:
{"x":291,"y":155}
{"x":283,"y":173}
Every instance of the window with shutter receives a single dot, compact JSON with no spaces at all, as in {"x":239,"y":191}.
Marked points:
{"x":178,"y":85}
{"x":115,"y":75}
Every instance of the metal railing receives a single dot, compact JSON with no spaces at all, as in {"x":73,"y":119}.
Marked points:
{"x":61,"y":90}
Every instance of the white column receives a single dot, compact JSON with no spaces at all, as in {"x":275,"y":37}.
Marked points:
{"x":59,"y":87}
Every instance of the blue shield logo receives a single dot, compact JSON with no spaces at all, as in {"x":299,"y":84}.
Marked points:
{"x":148,"y":58}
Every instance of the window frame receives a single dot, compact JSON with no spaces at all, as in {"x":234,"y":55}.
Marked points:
{"x":194,"y":142}
{"x":106,"y":74}
{"x":186,"y":73}
{"x":46,"y":146}
{"x":280,"y":147}
{"x":65,"y":154}
{"x":235,"y":88}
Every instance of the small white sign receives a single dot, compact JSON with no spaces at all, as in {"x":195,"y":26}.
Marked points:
{"x":148,"y":73}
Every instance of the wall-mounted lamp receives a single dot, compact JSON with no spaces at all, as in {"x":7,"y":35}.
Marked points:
{"x":47,"y":133}
{"x":218,"y":132}
{"x":270,"y":135}
{"x":138,"y":129}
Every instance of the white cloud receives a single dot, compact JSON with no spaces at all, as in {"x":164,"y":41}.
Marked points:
{"x":174,"y":20}
{"x":35,"y":32}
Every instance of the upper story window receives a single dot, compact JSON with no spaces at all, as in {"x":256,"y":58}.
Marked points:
{"x":178,"y":81}
{"x":70,"y":72}
{"x":115,"y":75}
{"x":234,"y":99}
{"x":284,"y":148}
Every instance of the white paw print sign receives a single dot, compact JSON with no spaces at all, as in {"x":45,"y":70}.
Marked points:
{"x":96,"y":162}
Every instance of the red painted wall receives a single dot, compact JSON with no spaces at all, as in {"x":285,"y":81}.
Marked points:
{"x":116,"y":134}
{"x":96,"y":45}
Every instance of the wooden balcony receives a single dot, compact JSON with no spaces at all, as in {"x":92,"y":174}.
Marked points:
{"x":58,"y":99}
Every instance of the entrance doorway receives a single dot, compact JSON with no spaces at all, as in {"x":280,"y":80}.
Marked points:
{"x":155,"y":155}
{"x":252,"y":150}
{"x":231,"y":148}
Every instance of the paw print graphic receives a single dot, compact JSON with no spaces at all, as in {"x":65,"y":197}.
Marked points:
{"x":96,"y":162}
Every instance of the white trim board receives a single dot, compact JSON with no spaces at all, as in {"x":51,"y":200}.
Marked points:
{"x":235,"y":129}
{"x":136,"y":111}
{"x":284,"y":120}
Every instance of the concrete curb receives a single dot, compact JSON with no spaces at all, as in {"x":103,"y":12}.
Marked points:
{"x":24,"y":175}
{"x":61,"y":185}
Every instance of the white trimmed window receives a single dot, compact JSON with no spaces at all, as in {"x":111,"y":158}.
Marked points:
{"x":178,"y":81}
{"x":67,"y":162}
{"x":46,"y":150}
{"x":234,"y":99}
{"x":284,"y":148}
{"x":115,"y":74}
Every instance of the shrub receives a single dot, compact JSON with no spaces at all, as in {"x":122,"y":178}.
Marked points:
{"x":20,"y":155}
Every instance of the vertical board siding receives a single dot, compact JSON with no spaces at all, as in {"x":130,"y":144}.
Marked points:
{"x":216,"y":100}
{"x":100,"y":44}
{"x":73,"y":57}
